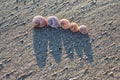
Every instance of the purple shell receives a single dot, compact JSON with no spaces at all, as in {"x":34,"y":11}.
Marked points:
{"x":39,"y":21}
{"x":53,"y":21}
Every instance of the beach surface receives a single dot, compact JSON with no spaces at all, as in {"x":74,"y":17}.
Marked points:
{"x":28,"y":53}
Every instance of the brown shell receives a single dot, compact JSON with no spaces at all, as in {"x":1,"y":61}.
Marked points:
{"x":64,"y":23}
{"x":74,"y":27}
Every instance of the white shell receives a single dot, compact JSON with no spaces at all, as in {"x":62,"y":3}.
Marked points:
{"x":83,"y":29}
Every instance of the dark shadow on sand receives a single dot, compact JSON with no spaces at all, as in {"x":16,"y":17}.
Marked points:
{"x":40,"y":45}
{"x":52,"y":39}
{"x":76,"y":42}
{"x":44,"y":39}
{"x":67,"y":39}
{"x":55,"y":44}
{"x":82,"y":46}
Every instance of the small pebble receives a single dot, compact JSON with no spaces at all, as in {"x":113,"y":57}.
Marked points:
{"x":110,"y":74}
{"x":75,"y":78}
{"x":93,"y":2}
{"x":1,"y":65}
{"x":22,"y":42}
{"x":110,"y":23}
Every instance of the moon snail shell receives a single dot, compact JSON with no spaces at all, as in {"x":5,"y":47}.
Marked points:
{"x":39,"y":21}
{"x":53,"y":21}
{"x":83,"y":29}
{"x":64,"y":23}
{"x":74,"y":27}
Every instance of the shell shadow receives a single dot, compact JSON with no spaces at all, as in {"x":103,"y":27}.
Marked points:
{"x":46,"y":41}
{"x":55,"y":44}
{"x":51,"y":41}
{"x":67,"y":40}
{"x":82,"y":46}
{"x":76,"y":42}
{"x":40,"y":46}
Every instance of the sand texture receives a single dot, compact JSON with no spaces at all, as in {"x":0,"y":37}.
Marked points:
{"x":57,"y":54}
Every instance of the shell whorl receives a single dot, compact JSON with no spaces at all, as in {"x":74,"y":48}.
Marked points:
{"x":64,"y":23}
{"x":74,"y":27}
{"x":39,"y":21}
{"x":53,"y":21}
{"x":83,"y":29}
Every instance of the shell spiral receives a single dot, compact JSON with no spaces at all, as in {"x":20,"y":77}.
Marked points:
{"x":74,"y":27}
{"x":64,"y":23}
{"x":53,"y":21}
{"x":83,"y":29}
{"x":39,"y":21}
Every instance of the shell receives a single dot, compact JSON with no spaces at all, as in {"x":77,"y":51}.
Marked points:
{"x":64,"y":23}
{"x":53,"y":21}
{"x":39,"y":21}
{"x":74,"y":27}
{"x":83,"y":29}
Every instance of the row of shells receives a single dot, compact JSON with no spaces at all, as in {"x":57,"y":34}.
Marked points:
{"x":52,"y":21}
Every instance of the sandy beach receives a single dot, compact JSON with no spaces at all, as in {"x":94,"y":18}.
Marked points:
{"x":28,"y":53}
